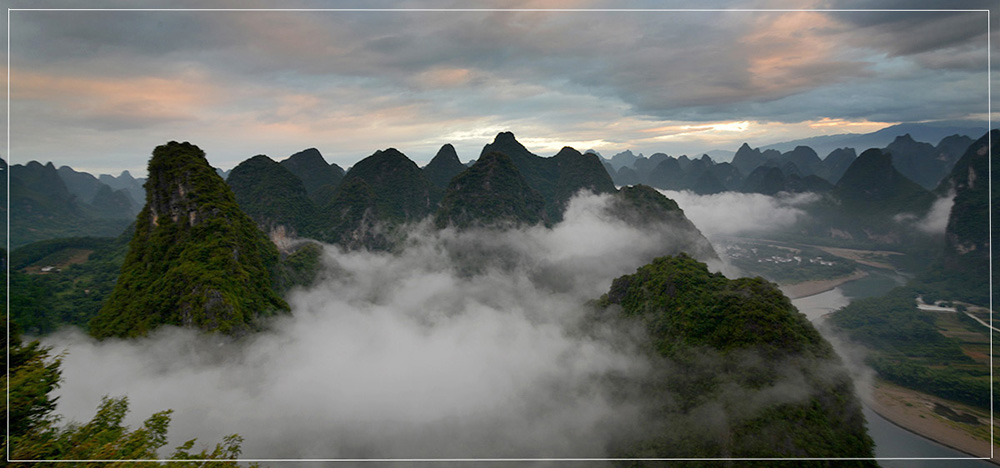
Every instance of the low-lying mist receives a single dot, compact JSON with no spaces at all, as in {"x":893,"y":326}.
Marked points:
{"x":475,"y":343}
{"x":734,"y":213}
{"x":464,"y":344}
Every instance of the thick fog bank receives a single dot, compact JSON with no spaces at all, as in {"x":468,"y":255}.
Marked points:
{"x":464,"y":344}
{"x":734,"y":213}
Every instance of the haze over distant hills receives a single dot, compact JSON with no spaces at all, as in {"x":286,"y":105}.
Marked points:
{"x":766,"y":170}
{"x":929,"y":132}
{"x":199,"y":258}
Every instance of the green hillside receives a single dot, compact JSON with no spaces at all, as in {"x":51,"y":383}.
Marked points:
{"x":195,"y":260}
{"x":490,"y":193}
{"x":723,"y":343}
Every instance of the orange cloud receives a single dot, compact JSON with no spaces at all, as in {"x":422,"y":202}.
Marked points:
{"x":438,"y":78}
{"x":853,"y":126}
{"x":138,"y":97}
{"x":792,"y":50}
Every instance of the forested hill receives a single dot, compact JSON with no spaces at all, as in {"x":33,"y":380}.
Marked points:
{"x":557,"y":178}
{"x":962,"y":273}
{"x":725,"y":346}
{"x":490,"y":193}
{"x":272,"y":196}
{"x":195,"y":260}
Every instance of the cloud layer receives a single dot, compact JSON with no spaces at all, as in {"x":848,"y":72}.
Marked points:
{"x":351,"y":82}
{"x":466,"y":344}
{"x":733,"y":213}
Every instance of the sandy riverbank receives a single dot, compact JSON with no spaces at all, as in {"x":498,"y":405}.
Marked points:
{"x":810,"y":288}
{"x":915,"y":412}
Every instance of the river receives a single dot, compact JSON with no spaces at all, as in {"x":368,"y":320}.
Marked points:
{"x":891,"y":441}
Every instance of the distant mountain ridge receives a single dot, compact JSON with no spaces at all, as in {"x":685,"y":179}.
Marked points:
{"x":557,"y":178}
{"x":314,"y":172}
{"x":361,"y":210}
{"x":490,"y":193}
{"x":929,"y":132}
{"x":444,"y":166}
{"x":801,"y":168}
{"x":44,"y":206}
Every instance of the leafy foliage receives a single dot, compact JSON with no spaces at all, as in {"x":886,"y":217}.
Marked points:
{"x":298,"y":268}
{"x":641,"y":205}
{"x":41,"y":207}
{"x":35,"y":435}
{"x":893,"y":324}
{"x":40,"y":303}
{"x":909,"y":350}
{"x":195,"y":259}
{"x":726,"y":343}
{"x":31,"y":377}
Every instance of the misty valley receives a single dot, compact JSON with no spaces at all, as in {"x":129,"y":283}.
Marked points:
{"x":630,"y":308}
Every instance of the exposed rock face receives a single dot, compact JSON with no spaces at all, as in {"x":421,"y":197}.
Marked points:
{"x":966,"y":260}
{"x":195,"y":260}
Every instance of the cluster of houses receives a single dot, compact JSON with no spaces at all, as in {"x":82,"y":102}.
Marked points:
{"x":752,"y":253}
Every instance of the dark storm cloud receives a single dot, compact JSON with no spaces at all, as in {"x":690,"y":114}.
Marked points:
{"x":914,"y":32}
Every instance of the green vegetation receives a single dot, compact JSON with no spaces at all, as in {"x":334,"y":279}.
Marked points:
{"x":921,"y":350}
{"x":310,"y":167}
{"x":298,"y":268}
{"x":378,"y":194}
{"x":557,"y":178}
{"x":871,"y":205}
{"x":685,"y":305}
{"x":893,"y":324}
{"x":490,"y":193}
{"x":909,"y":348}
{"x":41,"y":207}
{"x":40,"y":303}
{"x":35,"y":435}
{"x":643,"y":206}
{"x":961,"y":271}
{"x":195,"y":259}
{"x":272,"y":196}
{"x":726,"y":343}
{"x":873,"y":187}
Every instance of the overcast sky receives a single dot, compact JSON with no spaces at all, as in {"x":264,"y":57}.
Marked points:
{"x":98,"y":90}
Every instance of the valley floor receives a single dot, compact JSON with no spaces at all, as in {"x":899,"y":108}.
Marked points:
{"x":810,"y":288}
{"x":935,"y":418}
